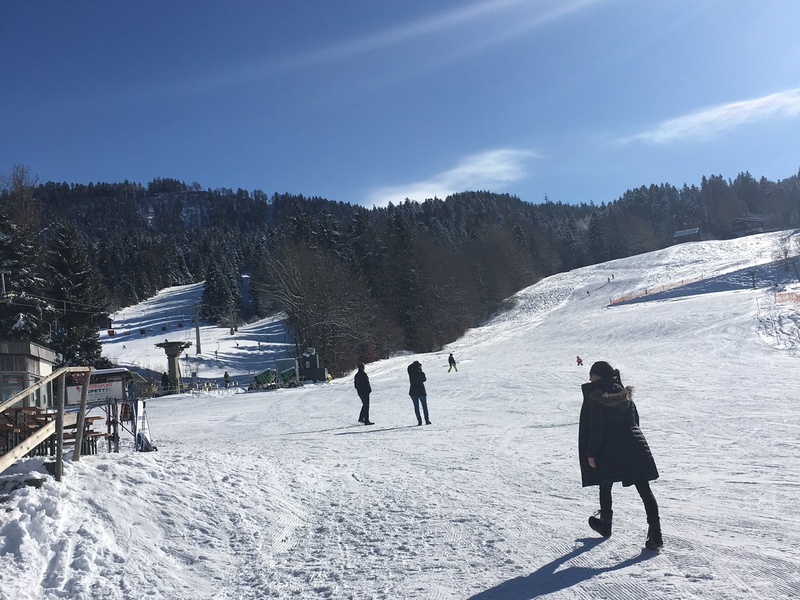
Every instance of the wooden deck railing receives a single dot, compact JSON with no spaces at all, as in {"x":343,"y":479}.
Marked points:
{"x":54,"y":427}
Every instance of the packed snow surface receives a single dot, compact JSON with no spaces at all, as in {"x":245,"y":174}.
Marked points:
{"x":282,"y":494}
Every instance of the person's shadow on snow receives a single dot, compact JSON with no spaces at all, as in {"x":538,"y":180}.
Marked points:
{"x":545,"y":580}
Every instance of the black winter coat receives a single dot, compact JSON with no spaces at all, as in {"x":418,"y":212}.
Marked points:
{"x":361,"y":381}
{"x":609,"y":432}
{"x":417,"y":379}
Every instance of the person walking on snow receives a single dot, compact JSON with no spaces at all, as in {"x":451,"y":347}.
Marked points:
{"x":417,"y":391}
{"x":452,"y":362}
{"x":612,"y":448}
{"x":363,"y":388}
{"x":580,"y":361}
{"x":227,"y":379}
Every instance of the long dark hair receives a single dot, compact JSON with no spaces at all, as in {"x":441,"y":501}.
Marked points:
{"x":608,"y":375}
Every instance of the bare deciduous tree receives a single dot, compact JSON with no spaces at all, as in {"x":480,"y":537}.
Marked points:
{"x":328,"y":308}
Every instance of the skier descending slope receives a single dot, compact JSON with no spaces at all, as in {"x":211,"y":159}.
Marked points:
{"x":612,"y":448}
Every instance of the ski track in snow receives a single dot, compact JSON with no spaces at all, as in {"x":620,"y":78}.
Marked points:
{"x":282,"y":495}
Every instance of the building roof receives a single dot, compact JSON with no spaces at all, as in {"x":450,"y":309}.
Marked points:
{"x":749,"y":219}
{"x":28,"y":349}
{"x":685,"y":232}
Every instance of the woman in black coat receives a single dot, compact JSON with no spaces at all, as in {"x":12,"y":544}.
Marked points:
{"x":416,"y":390}
{"x":612,"y":448}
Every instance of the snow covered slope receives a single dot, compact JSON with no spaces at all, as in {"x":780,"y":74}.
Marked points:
{"x":169,"y":316}
{"x":283,"y":495}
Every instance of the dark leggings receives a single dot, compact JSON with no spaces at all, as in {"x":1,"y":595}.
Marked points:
{"x":643,"y":487}
{"x":364,"y":415}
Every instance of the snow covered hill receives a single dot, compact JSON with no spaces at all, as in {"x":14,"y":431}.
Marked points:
{"x":169,"y":315}
{"x":283,"y":494}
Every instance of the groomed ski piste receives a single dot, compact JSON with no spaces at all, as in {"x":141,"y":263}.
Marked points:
{"x":282,"y":494}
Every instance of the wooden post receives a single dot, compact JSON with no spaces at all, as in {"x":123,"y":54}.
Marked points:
{"x":76,"y":454}
{"x":62,"y":398}
{"x":197,"y":325}
{"x":115,"y":408}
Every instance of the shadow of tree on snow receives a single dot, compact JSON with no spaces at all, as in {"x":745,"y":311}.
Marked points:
{"x":545,"y":580}
{"x":767,"y":275}
{"x":376,"y":429}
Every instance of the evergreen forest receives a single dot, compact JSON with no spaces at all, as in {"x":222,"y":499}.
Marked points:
{"x":354,"y":283}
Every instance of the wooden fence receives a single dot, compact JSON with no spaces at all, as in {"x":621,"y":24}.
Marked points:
{"x":782,"y":297}
{"x":649,"y":291}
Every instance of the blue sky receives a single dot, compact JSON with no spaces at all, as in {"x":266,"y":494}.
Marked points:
{"x":366,"y":101}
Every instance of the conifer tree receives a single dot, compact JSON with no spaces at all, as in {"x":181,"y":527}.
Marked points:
{"x":79,"y":296}
{"x":24,"y":311}
{"x":220,"y":299}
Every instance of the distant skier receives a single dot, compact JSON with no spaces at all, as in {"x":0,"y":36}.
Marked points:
{"x":417,"y":391}
{"x":612,"y":448}
{"x":227,"y":379}
{"x":363,"y":388}
{"x":452,"y":362}
{"x":165,"y":381}
{"x":580,"y":361}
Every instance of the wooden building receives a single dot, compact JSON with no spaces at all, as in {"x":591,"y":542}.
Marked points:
{"x":747,"y":225}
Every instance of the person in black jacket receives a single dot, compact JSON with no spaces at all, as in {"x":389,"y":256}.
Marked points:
{"x":612,"y":448}
{"x":452,"y":362}
{"x":361,"y":382}
{"x":417,"y":391}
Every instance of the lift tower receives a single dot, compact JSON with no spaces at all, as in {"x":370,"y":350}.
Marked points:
{"x":174,"y":351}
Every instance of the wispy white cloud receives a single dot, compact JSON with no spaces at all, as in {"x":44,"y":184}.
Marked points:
{"x":430,"y":25}
{"x":518,"y":17}
{"x":484,"y":171}
{"x":436,"y":24}
{"x":707,"y":123}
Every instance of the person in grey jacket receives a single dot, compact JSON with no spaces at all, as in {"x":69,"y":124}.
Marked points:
{"x":417,"y":379}
{"x":612,"y":448}
{"x":364,"y":389}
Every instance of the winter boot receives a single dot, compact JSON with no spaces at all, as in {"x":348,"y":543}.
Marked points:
{"x":601,"y":523}
{"x":654,"y":539}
